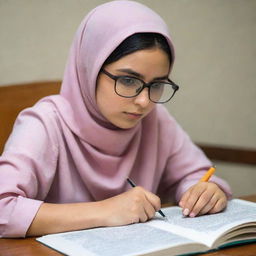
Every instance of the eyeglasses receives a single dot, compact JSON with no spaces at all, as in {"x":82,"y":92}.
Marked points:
{"x":129,"y":87}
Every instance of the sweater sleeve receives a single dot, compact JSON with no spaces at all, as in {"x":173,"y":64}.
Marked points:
{"x":186,"y":163}
{"x":27,"y":168}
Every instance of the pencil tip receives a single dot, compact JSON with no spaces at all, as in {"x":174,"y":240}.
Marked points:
{"x":166,"y":218}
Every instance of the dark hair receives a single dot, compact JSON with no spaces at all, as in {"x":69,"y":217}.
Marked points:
{"x":139,"y":41}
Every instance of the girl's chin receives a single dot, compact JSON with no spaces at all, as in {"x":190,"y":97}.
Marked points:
{"x":126,"y":125}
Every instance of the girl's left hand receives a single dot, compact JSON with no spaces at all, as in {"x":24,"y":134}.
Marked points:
{"x":202,"y":198}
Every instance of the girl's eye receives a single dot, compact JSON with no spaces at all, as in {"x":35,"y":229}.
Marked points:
{"x":157,"y":85}
{"x":128,"y":81}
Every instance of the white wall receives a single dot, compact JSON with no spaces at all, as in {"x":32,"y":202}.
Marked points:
{"x":216,"y":54}
{"x":215,"y":43}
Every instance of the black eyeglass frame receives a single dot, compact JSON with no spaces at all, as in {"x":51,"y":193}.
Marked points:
{"x":145,"y":85}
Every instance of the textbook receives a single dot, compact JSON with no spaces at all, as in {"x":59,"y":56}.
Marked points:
{"x":177,"y":235}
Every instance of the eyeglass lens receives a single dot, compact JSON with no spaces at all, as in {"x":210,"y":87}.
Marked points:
{"x":130,"y":87}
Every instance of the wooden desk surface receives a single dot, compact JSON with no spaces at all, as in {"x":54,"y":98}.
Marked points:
{"x":30,"y":247}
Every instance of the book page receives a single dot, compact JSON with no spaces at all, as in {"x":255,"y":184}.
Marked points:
{"x":207,"y":228}
{"x":178,"y":233}
{"x":135,"y":239}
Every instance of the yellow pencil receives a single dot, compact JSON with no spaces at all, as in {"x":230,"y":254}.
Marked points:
{"x":208,"y":174}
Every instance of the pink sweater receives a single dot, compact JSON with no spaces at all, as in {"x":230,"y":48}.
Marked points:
{"x":39,"y":165}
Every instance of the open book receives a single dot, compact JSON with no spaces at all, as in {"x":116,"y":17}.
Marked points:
{"x":175,"y":236}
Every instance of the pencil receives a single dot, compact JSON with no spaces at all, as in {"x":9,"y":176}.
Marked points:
{"x":134,"y":185}
{"x":208,"y":174}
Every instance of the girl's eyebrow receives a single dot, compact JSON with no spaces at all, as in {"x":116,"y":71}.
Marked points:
{"x":130,"y":72}
{"x":134,"y":73}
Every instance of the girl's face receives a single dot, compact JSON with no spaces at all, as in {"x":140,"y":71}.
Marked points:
{"x":148,"y":65}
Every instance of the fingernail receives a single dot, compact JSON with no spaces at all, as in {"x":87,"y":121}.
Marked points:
{"x":192,"y":215}
{"x":186,"y":212}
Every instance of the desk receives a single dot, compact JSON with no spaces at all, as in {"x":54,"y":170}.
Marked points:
{"x":29,"y":246}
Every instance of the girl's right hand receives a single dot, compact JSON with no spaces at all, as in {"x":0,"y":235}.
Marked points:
{"x":135,"y":205}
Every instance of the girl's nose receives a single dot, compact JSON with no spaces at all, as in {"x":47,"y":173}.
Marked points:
{"x":143,"y":98}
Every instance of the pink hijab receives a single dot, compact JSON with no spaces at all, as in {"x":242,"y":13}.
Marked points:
{"x":102,"y":30}
{"x":105,"y":155}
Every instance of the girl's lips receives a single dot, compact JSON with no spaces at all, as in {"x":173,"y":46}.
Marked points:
{"x":133,"y":115}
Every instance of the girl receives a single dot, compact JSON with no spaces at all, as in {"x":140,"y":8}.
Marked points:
{"x":66,"y":163}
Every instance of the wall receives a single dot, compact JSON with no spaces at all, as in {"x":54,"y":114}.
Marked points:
{"x":215,"y":59}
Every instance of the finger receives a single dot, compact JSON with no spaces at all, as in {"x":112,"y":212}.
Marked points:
{"x":184,"y":198}
{"x":143,"y":216}
{"x":209,"y":205}
{"x":150,"y":203}
{"x":153,"y":200}
{"x":139,"y":215}
{"x":134,"y":219}
{"x":149,"y":211}
{"x":204,"y":199}
{"x":219,"y":206}
{"x":195,"y":194}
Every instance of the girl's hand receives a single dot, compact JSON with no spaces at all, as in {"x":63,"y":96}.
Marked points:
{"x":202,"y":198}
{"x":135,"y":205}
